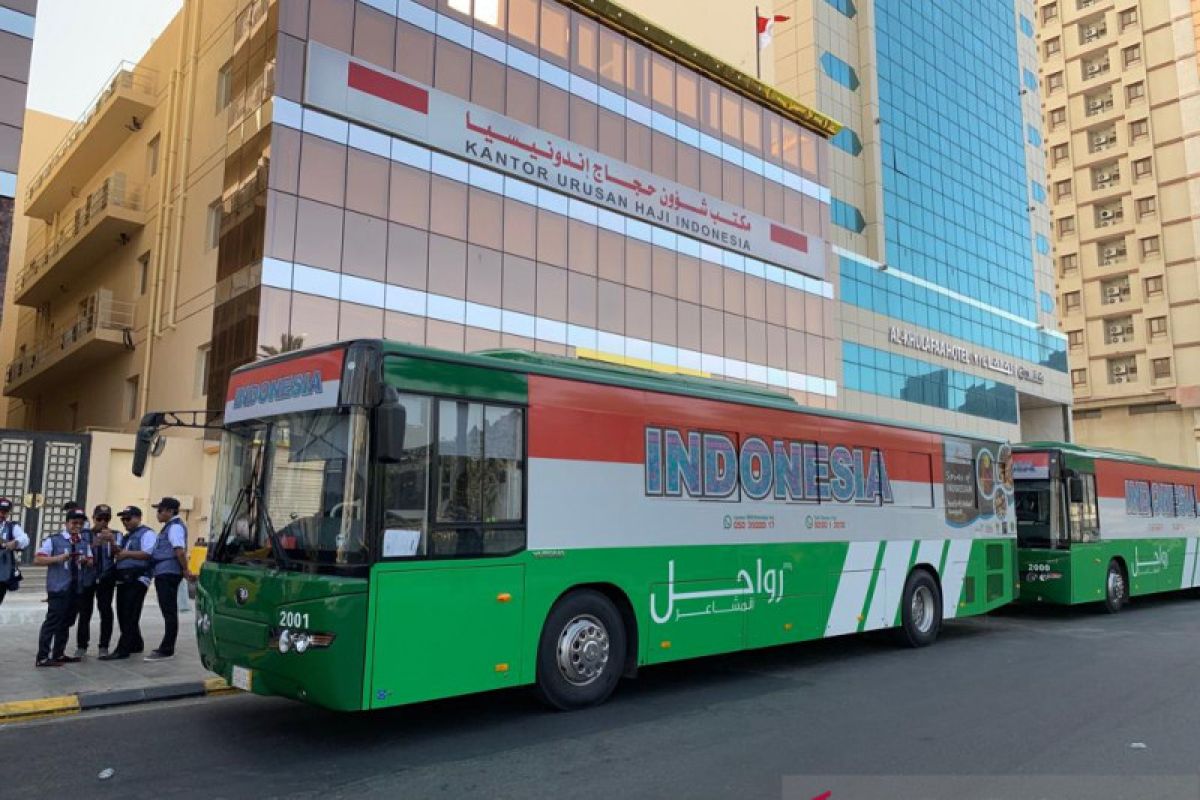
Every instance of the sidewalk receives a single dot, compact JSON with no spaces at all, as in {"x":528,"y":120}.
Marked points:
{"x":95,"y":682}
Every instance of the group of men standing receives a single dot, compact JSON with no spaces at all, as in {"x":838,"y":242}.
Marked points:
{"x":88,"y":564}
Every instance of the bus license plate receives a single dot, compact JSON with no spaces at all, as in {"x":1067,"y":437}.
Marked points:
{"x":243,"y":678}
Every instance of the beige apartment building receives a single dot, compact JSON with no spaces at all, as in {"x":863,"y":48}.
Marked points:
{"x":110,"y":286}
{"x":1121,"y":100}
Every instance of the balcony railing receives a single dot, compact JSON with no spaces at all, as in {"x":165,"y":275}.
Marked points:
{"x":1095,"y":69}
{"x":1109,"y":216}
{"x":245,"y":195}
{"x":128,"y":77}
{"x":115,"y":192}
{"x":257,"y":93}
{"x":103,"y":314}
{"x":1098,"y":105}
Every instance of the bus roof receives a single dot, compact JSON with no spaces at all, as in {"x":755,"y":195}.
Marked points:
{"x":1084,"y":452}
{"x":593,"y":371}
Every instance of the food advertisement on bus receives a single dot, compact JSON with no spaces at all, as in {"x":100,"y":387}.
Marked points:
{"x":978,"y":480}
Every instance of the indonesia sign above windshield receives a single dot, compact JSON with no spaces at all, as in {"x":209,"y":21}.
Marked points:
{"x":349,"y":88}
{"x":285,"y":386}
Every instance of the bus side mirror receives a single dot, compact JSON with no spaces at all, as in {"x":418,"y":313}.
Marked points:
{"x":390,"y":423}
{"x":147,"y":431}
{"x":1075,"y":489}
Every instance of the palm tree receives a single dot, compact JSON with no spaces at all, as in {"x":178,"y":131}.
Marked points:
{"x":287,"y":343}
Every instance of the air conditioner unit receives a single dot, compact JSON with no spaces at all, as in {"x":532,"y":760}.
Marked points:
{"x":1107,"y":213}
{"x":1104,"y":176}
{"x":1119,"y":379}
{"x":1112,"y":252}
{"x":1112,"y":291}
{"x":1119,"y":369}
{"x":1093,"y":69}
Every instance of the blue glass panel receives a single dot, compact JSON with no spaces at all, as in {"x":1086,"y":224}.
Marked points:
{"x":1026,"y":26}
{"x":840,"y":71}
{"x":847,"y":140}
{"x":844,"y":6}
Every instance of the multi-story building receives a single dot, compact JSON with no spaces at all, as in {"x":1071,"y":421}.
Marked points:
{"x":16,"y":48}
{"x":1121,"y":98}
{"x":940,"y":219}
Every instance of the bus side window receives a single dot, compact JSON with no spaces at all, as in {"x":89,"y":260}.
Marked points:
{"x":1085,"y":521}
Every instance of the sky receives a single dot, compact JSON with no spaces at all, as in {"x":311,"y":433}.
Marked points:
{"x":79,"y":43}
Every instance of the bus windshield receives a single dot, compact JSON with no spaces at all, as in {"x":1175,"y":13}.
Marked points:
{"x":299,"y":478}
{"x":1039,"y":523}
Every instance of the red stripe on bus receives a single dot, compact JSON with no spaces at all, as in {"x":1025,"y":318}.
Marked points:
{"x":388,"y":88}
{"x":789,"y":238}
{"x":328,"y":362}
{"x":587,"y":422}
{"x":1111,"y":476}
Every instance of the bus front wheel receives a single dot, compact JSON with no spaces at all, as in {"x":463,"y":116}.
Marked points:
{"x":920,"y":610}
{"x":1116,"y":590}
{"x":581,"y":652}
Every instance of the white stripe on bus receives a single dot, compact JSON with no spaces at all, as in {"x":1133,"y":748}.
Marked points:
{"x":1187,"y":579}
{"x":952,"y":580}
{"x":890,"y":585}
{"x":852,"y":588}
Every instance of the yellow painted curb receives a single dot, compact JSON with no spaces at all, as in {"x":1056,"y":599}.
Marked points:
{"x":218,"y":686}
{"x":21,"y":710}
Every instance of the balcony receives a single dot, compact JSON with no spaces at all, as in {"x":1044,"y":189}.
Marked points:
{"x":1101,"y":140}
{"x":1109,"y":214}
{"x":118,"y":112}
{"x":1094,"y":69}
{"x":103,"y":328}
{"x":100,"y":224}
{"x":1096,"y":104}
{"x":255,"y":96}
{"x":1112,"y":252}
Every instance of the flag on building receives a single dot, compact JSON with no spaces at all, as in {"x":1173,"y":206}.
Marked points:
{"x":766,"y":28}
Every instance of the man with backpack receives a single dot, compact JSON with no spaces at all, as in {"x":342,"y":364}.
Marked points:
{"x":12,"y":541}
{"x":132,"y":574}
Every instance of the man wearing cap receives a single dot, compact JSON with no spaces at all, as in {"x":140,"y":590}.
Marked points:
{"x":132,"y":571}
{"x":99,"y":583}
{"x":65,"y":555}
{"x":170,"y":568}
{"x":12,"y":541}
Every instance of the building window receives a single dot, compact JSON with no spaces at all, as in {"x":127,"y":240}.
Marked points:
{"x":1053,"y":47}
{"x":1026,"y":26}
{"x":212,"y":235}
{"x":131,"y":397}
{"x":1038,"y":191}
{"x":846,"y":216}
{"x":1135,"y":92}
{"x":1066,"y":226}
{"x":1158,"y":327}
{"x":143,"y":272}
{"x":1160,"y":368}
{"x":203,"y":354}
{"x":1139,"y":129}
{"x":1142,"y":168}
{"x":1126,"y":18}
{"x":1154,"y":286}
{"x":1149,"y":246}
{"x":224,"y":86}
{"x":845,"y":6}
{"x":1062,"y":189}
{"x":848,"y":141}
{"x":1060,"y":152}
{"x":1054,"y":82}
{"x":152,"y":156}
{"x":1075,"y":339}
{"x":1131,"y":55}
{"x":1058,"y":117}
{"x":1068,"y":263}
{"x":1078,"y":377}
{"x":1115,"y":291}
{"x":1146,"y":207}
{"x":1071,"y":301}
{"x":839,"y":71}
{"x":1118,"y":330}
{"x":1049,"y":12}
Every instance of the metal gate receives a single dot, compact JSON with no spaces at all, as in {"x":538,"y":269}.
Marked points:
{"x":39,"y":473}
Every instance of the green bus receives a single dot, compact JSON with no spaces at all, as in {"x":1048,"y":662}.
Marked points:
{"x":402,"y":524}
{"x":1101,"y":525}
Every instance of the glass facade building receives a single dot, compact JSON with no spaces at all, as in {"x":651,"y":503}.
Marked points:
{"x":16,"y":48}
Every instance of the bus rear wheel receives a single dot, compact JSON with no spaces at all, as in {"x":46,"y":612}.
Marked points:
{"x":920,"y":610}
{"x":1116,"y":589}
{"x":581,"y":652}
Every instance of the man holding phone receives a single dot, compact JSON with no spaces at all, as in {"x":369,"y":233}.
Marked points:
{"x":133,"y":566}
{"x":12,"y":541}
{"x":66,"y":556}
{"x":98,"y":587}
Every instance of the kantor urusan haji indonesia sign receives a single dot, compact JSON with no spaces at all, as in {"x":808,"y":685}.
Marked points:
{"x":349,"y":88}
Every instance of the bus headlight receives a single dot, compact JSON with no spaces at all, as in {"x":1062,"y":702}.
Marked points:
{"x":301,"y":641}
{"x":285,"y":640}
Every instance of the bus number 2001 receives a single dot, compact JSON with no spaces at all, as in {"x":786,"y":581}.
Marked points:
{"x":293,"y":619}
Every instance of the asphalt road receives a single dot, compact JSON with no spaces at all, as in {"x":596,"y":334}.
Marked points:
{"x":1108,"y":704}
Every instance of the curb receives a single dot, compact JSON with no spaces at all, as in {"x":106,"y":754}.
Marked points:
{"x":63,"y":705}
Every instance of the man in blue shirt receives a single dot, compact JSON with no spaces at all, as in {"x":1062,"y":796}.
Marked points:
{"x":170,"y":569}
{"x":65,"y":555}
{"x":98,"y":586}
{"x":12,"y":541}
{"x":132,"y":570}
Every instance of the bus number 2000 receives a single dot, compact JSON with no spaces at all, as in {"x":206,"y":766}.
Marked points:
{"x":293,"y":619}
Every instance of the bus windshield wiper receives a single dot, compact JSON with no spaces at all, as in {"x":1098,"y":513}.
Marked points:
{"x":281,"y":556}
{"x":219,"y":547}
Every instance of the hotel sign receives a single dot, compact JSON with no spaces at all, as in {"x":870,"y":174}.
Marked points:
{"x":354,"y":90}
{"x":941,"y":348}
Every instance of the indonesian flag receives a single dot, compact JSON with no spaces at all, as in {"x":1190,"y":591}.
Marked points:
{"x":766,"y":29}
